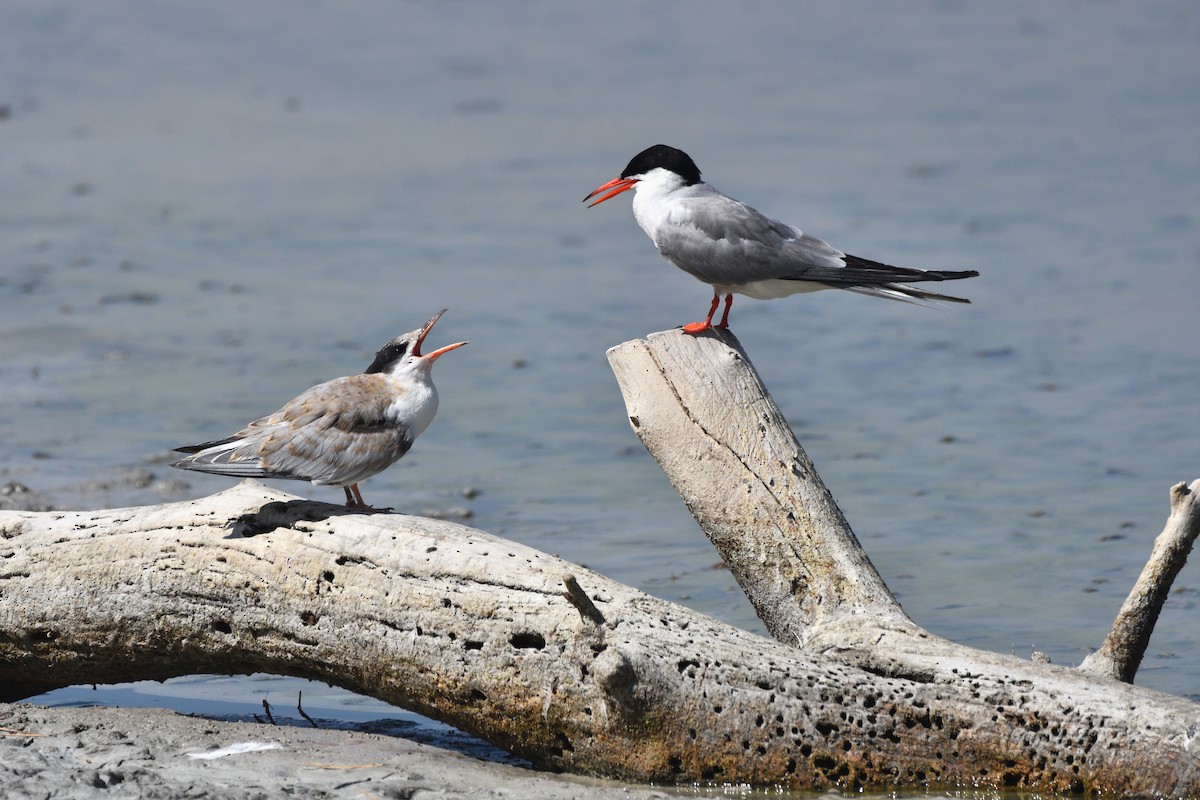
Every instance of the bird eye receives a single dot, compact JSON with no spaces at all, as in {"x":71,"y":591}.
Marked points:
{"x":389,"y":355}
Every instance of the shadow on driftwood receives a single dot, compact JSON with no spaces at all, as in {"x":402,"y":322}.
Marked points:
{"x":286,"y":514}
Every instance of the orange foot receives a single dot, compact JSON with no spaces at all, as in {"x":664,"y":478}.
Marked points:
{"x":700,"y":327}
{"x":354,"y":499}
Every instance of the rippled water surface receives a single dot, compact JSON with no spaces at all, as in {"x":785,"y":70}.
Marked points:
{"x":208,"y":208}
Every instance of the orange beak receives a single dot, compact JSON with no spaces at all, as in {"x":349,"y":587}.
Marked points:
{"x":425,"y":332}
{"x":617,"y":185}
{"x":443,"y":350}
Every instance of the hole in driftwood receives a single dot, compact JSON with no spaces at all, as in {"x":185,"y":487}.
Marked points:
{"x":564,"y":745}
{"x":527,"y":641}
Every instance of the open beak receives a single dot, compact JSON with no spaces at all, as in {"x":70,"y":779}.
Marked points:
{"x":416,"y":351}
{"x":617,"y":185}
{"x":436,"y":354}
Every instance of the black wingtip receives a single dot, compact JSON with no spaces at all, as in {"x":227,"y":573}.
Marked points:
{"x":196,"y":448}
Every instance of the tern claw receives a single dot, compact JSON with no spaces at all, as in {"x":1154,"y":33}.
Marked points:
{"x":354,"y":499}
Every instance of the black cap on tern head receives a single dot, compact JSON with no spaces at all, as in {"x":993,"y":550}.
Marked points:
{"x":391,"y":353}
{"x":408,"y":345}
{"x":667,"y":157}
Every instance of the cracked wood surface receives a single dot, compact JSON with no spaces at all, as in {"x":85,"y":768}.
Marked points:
{"x":702,"y":412}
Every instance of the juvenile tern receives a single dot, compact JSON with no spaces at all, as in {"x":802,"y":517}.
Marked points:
{"x":340,"y":432}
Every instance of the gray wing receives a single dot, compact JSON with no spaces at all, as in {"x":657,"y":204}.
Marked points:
{"x":726,"y":242}
{"x":335,"y":433}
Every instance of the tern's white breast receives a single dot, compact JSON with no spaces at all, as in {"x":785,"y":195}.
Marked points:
{"x":661,"y":200}
{"x":414,"y":405}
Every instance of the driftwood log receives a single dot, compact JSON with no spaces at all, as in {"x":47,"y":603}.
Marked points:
{"x":582,"y":674}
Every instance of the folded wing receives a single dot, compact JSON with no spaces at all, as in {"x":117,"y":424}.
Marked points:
{"x":725,"y":242}
{"x":337,"y":433}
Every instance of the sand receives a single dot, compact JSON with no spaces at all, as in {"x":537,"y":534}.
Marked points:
{"x":157,"y":753}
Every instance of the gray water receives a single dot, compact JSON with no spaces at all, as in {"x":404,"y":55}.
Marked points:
{"x":207,"y":208}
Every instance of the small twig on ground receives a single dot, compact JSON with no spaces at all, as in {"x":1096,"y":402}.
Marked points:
{"x":303,"y":713}
{"x":17,"y":733}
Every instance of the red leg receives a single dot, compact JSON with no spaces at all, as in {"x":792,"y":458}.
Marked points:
{"x":725,"y":316}
{"x":354,"y":499}
{"x":699,"y":327}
